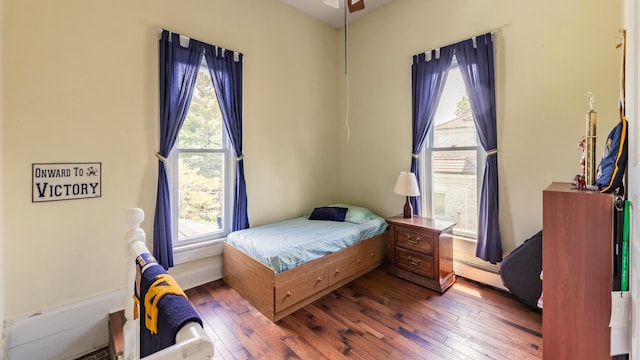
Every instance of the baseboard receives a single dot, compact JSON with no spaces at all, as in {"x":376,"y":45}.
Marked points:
{"x":65,"y":332}
{"x":191,"y":276}
{"x":480,"y":274}
{"x":70,"y":331}
{"x":3,"y":348}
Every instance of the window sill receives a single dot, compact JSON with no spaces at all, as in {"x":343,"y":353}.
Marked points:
{"x":193,"y":252}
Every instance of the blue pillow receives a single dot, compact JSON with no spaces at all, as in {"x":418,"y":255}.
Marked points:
{"x":332,"y":213}
{"x":357,"y":215}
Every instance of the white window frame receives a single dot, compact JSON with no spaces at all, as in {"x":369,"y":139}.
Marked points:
{"x":426,"y":184}
{"x":210,"y":244}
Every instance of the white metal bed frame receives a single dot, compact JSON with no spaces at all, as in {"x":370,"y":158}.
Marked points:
{"x":191,"y":341}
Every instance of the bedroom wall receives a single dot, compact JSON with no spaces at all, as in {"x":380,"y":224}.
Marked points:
{"x":548,"y":55}
{"x":2,"y":339}
{"x":632,"y":24}
{"x":81,"y":85}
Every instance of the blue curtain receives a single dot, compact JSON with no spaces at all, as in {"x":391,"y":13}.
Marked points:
{"x":178,"y":71}
{"x":476,"y":66}
{"x":226,"y":74}
{"x":427,"y":82}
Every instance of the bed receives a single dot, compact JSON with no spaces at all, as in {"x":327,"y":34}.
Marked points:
{"x":284,"y":266}
{"x":190,"y":340}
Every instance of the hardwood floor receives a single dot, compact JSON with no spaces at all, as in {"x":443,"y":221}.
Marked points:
{"x":377,"y":316}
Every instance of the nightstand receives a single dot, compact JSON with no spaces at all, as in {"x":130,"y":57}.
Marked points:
{"x":421,"y":251}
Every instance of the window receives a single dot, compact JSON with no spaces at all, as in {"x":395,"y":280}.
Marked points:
{"x":451,"y":160}
{"x":200,"y":175}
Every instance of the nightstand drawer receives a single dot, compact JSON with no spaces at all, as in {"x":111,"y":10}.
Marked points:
{"x":415,"y":262}
{"x":415,"y":241}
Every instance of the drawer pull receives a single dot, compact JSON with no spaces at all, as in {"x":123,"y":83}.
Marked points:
{"x":320,"y":279}
{"x":414,"y":241}
{"x":337,"y":272}
{"x":414,"y":262}
{"x":359,"y":261}
{"x":288,"y":294}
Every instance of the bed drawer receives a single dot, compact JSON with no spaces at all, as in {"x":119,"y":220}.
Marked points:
{"x":376,"y":250}
{"x":415,"y":241}
{"x":345,"y":266}
{"x":415,"y":262}
{"x":290,"y":292}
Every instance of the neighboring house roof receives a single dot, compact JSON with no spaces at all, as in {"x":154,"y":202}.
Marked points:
{"x":458,"y":166}
{"x":464,"y":121}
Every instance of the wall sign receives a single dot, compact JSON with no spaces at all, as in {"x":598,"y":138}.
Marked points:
{"x":65,"y":181}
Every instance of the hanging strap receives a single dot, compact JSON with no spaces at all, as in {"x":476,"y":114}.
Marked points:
{"x":624,"y":273}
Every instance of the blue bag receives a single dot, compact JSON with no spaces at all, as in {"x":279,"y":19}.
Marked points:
{"x":610,"y":172}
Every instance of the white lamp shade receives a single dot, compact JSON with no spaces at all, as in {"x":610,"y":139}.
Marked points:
{"x":407,"y":184}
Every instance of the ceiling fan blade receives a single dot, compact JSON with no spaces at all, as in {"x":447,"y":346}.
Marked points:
{"x":355,"y":5}
{"x":333,"y":3}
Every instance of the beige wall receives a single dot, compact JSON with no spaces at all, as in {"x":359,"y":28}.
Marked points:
{"x":80,"y":83}
{"x":1,"y":187}
{"x":548,"y":55}
{"x":632,"y":24}
{"x":69,"y":97}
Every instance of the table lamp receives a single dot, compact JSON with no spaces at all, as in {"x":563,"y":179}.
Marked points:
{"x":407,"y":185}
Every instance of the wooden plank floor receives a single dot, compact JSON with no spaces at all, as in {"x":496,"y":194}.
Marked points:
{"x":377,"y":316}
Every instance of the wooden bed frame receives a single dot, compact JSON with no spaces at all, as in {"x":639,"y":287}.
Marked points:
{"x":278,"y":295}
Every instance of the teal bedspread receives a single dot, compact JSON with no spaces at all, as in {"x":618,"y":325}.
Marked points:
{"x":287,"y":244}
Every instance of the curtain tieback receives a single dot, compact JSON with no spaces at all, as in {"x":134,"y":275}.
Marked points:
{"x":415,"y":156}
{"x":239,"y":158}
{"x":491,"y":152}
{"x":161,"y":158}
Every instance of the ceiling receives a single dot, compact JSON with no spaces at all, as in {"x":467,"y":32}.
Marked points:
{"x":332,"y":16}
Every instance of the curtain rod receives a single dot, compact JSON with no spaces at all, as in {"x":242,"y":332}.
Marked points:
{"x":492,"y":32}
{"x":159,"y":32}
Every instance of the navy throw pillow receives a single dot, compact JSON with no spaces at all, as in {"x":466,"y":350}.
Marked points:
{"x":332,"y":213}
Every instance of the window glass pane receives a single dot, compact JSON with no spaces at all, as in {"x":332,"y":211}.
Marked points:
{"x":439,"y":204}
{"x":453,"y":122}
{"x":200,"y":194}
{"x":454,"y":158}
{"x":455,"y":188}
{"x":202,"y":128}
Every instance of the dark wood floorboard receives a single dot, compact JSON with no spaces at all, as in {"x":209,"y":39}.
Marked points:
{"x":377,"y":316}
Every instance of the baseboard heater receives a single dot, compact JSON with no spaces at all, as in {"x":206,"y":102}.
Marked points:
{"x":493,"y":269}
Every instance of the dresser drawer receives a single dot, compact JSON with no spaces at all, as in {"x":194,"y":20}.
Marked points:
{"x":415,"y":241}
{"x":415,"y":262}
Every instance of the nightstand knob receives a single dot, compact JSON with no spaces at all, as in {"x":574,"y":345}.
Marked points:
{"x":414,"y":262}
{"x":413,"y":241}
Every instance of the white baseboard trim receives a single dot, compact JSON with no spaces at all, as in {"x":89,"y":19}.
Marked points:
{"x":65,"y":332}
{"x":73,"y":330}
{"x":3,"y":348}
{"x":190,"y":277}
{"x":475,"y":273}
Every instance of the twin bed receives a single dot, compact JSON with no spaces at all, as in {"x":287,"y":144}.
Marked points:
{"x":282,"y":267}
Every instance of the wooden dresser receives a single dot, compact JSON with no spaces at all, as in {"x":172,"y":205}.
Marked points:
{"x":577,"y":260}
{"x":421,"y":251}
